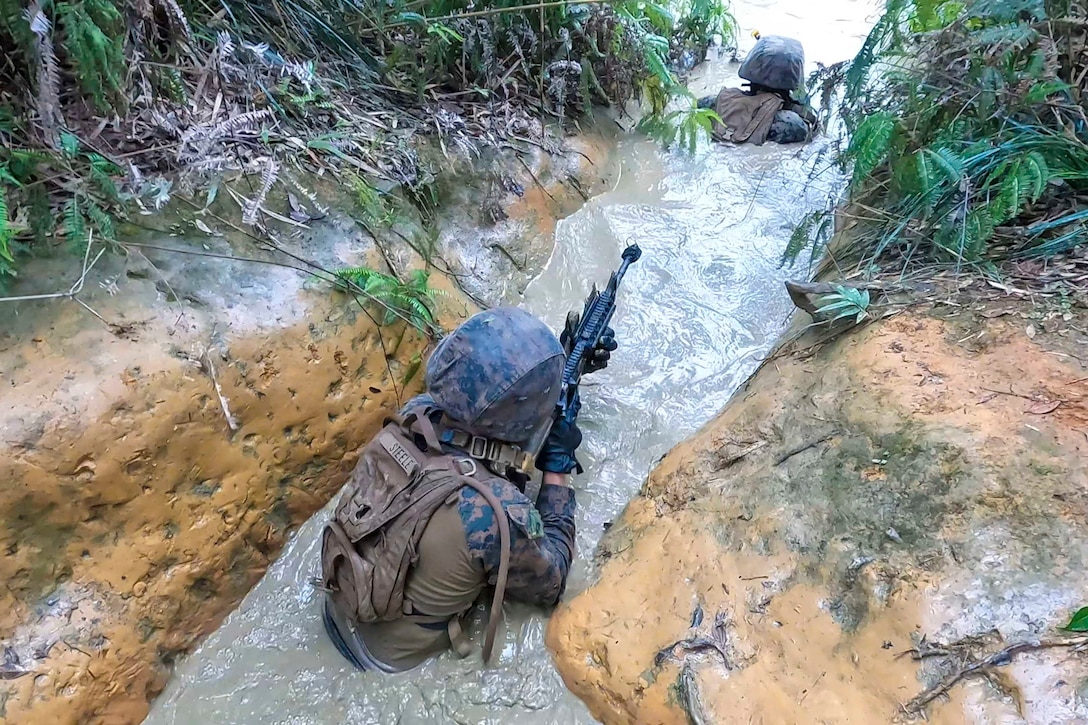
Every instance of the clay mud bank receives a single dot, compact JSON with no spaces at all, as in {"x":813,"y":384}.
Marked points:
{"x":864,"y":520}
{"x":157,"y":458}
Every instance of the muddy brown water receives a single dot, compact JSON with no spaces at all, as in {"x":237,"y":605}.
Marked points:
{"x":695,"y":316}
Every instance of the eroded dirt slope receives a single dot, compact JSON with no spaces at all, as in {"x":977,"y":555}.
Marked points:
{"x":134,"y":515}
{"x":922,"y":477}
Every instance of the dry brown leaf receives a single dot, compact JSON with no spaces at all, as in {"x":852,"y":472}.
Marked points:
{"x":1044,"y":407}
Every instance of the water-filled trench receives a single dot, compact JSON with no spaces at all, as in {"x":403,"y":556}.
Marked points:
{"x":695,"y":315}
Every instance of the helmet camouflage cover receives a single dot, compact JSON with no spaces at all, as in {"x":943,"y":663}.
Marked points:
{"x":498,"y":374}
{"x":775,"y":62}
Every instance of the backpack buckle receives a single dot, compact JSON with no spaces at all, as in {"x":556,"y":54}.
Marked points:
{"x":484,"y":449}
{"x":467,"y":466}
{"x":477,"y":447}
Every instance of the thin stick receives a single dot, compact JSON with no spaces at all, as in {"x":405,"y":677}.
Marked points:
{"x":1002,"y":657}
{"x":231,"y":420}
{"x":331,"y":277}
{"x":804,"y":447}
{"x":543,"y":111}
{"x":496,"y":11}
{"x":542,"y":188}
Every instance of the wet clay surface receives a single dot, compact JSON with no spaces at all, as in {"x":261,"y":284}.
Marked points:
{"x":849,"y":501}
{"x":135,"y":517}
{"x":694,"y":317}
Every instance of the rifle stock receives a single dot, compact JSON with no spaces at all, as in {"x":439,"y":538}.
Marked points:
{"x":596,"y":316}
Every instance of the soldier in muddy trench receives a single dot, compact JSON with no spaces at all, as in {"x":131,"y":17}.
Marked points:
{"x":436,"y":509}
{"x":765,"y":110}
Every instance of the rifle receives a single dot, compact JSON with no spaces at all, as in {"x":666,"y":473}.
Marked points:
{"x":596,"y":314}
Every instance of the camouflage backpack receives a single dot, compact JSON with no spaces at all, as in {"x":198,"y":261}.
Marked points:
{"x":370,"y":545}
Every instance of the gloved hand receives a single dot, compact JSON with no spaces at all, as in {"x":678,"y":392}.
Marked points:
{"x":557,"y":455}
{"x":598,"y":357}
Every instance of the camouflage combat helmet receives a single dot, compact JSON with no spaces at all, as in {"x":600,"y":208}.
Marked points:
{"x":498,"y":374}
{"x":774,"y":62}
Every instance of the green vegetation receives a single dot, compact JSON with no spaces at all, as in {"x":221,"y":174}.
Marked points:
{"x":108,"y":106}
{"x":682,"y":126}
{"x":412,"y":301}
{"x":968,"y":136}
{"x":1079,"y":621}
{"x":846,"y":302}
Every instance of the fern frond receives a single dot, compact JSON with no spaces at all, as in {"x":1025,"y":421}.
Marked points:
{"x":1005,"y":11}
{"x":947,"y":162}
{"x":94,"y":41}
{"x":415,"y":307}
{"x":870,"y":143}
{"x":979,"y":228}
{"x":224,"y":46}
{"x":268,"y":178}
{"x":5,"y":229}
{"x":1015,"y":36}
{"x":1038,"y":173}
{"x":801,"y":236}
{"x":1012,"y":193}
{"x":101,"y":173}
{"x":48,"y":97}
{"x":103,"y":222}
{"x":75,"y":226}
{"x":177,"y":16}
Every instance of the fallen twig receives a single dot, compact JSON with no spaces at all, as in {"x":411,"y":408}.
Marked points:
{"x":690,"y":698}
{"x":1010,"y":392}
{"x":809,"y":689}
{"x":542,"y":188}
{"x":206,"y":358}
{"x":75,"y":289}
{"x":803,"y":447}
{"x":727,"y":461}
{"x":997,"y":659}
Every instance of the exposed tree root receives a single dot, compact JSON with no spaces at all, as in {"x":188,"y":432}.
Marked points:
{"x":973,"y":667}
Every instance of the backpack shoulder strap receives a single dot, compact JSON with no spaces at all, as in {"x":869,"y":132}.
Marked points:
{"x":421,"y":424}
{"x":484,"y":490}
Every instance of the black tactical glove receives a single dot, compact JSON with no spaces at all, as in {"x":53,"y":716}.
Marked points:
{"x":557,"y":455}
{"x":598,"y":357}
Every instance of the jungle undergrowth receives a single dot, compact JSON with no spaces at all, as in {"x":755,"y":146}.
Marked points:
{"x":967,"y":139}
{"x":109,"y":108}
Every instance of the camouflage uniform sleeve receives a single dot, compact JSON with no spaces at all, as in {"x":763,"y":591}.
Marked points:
{"x":541,"y":539}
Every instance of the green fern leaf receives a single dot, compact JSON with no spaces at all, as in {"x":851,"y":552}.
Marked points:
{"x":1015,"y":36}
{"x":1004,"y":11}
{"x":5,"y":230}
{"x":979,"y":229}
{"x":69,"y":144}
{"x":1011,"y":194}
{"x":1040,"y":92}
{"x":419,"y":310}
{"x":801,"y":236}
{"x":101,"y":171}
{"x":75,"y":226}
{"x":1038,"y":173}
{"x":948,"y":163}
{"x":870,"y":144}
{"x":1036,"y":64}
{"x":103,"y":222}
